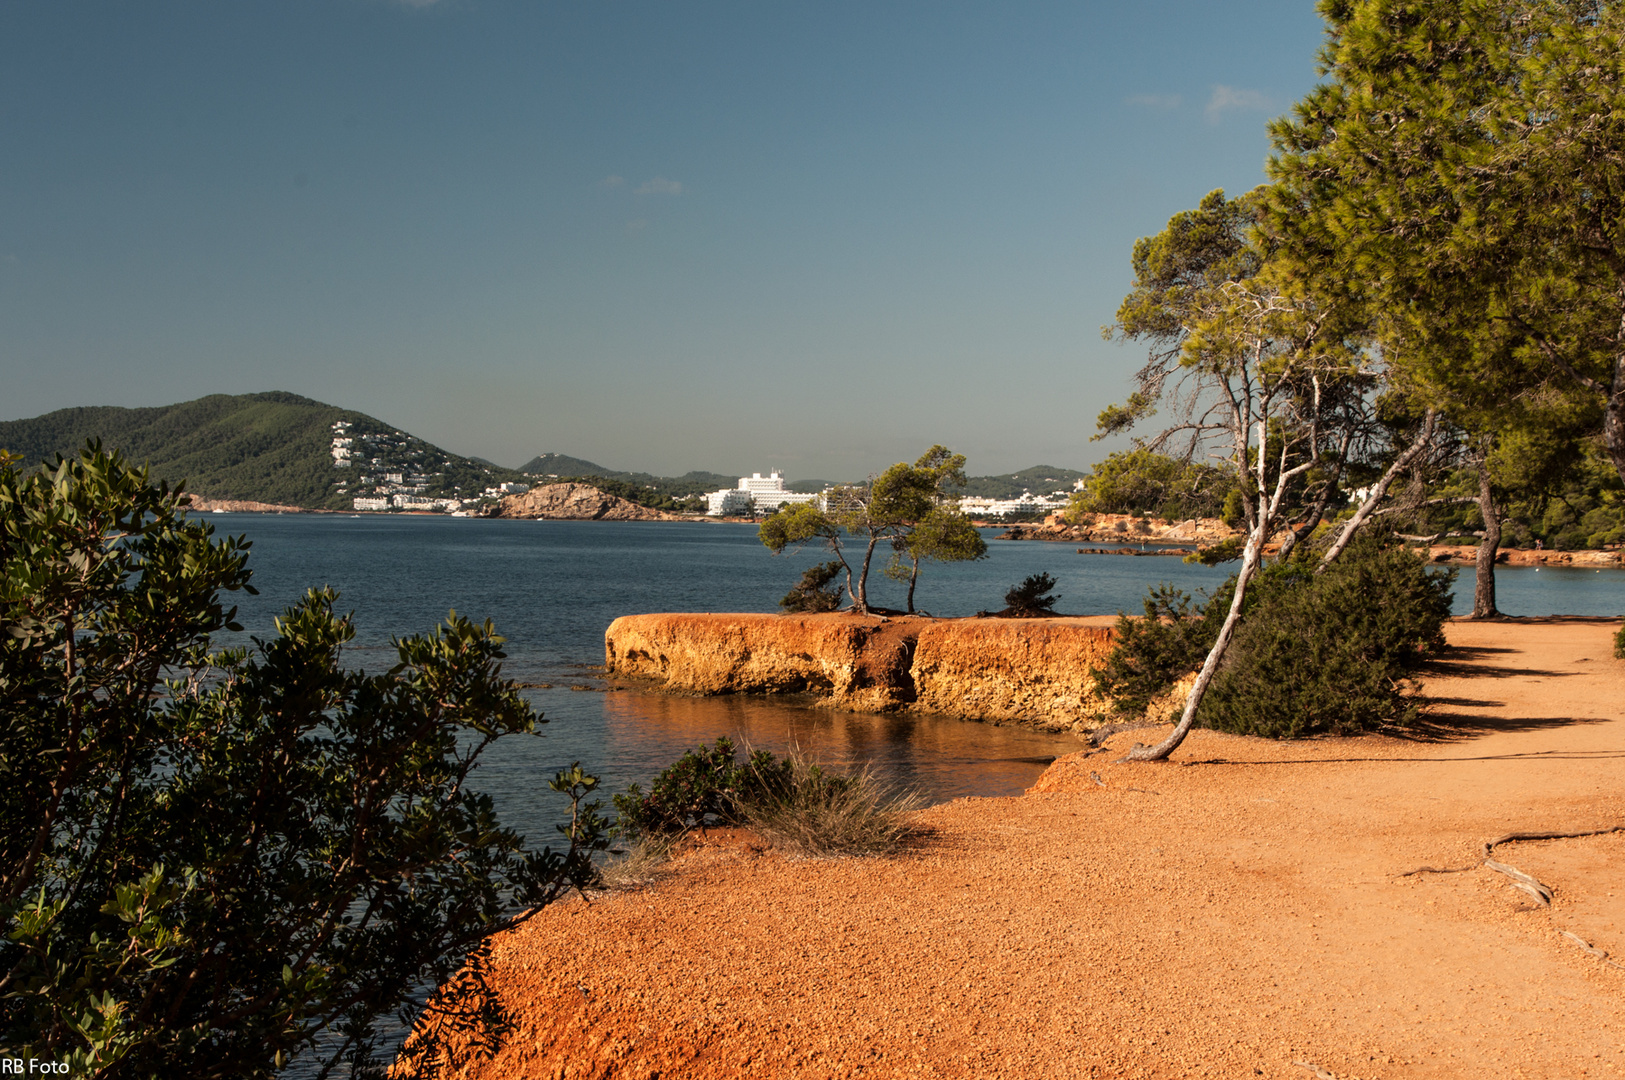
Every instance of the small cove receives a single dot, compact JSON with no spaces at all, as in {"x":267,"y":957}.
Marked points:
{"x":552,"y":587}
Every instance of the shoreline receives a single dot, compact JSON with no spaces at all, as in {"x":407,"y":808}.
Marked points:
{"x":1243,"y":910}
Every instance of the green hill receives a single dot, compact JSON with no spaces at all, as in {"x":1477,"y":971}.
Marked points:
{"x":1040,"y":480}
{"x":273,"y":447}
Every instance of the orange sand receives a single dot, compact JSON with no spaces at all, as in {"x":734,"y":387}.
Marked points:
{"x":1232,"y":914}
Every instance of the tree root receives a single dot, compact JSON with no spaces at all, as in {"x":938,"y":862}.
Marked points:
{"x":1592,"y":949}
{"x":1520,"y":880}
{"x":1101,"y":734}
{"x":1491,"y":845}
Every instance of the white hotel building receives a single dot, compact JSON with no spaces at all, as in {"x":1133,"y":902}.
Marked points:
{"x":755,"y":492}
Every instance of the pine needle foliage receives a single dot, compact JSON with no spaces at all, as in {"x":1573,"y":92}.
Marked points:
{"x":1333,"y":652}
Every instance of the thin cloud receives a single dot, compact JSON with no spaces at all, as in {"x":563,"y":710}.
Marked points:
{"x":1155,"y":101}
{"x":632,"y":228}
{"x":1235,"y":99}
{"x":614,"y":181}
{"x":659,"y":186}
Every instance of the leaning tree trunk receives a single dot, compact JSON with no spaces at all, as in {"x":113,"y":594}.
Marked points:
{"x":862,"y":597}
{"x":1613,"y":415}
{"x":1250,"y":559}
{"x":913,"y":579}
{"x":1484,"y":571}
{"x":1379,"y":490}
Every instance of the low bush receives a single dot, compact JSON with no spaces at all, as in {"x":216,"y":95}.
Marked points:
{"x":1326,"y":653}
{"x":821,"y":813}
{"x":1619,"y":643}
{"x":814,"y":592}
{"x":703,"y":787}
{"x":1033,"y":597}
{"x":795,"y":803}
{"x":1154,"y":651}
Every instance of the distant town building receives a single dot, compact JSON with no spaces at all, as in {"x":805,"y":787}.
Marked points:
{"x":755,"y":493}
{"x":1027,"y":503}
{"x":371,"y":504}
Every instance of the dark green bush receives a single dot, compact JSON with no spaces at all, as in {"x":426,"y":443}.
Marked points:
{"x":1331,"y":653}
{"x":705,"y":786}
{"x":1032,"y":597}
{"x":1314,"y":653}
{"x":1154,"y":651}
{"x":799,"y":806}
{"x":813,"y":592}
{"x":1619,"y":643}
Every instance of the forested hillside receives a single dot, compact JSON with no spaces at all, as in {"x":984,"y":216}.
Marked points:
{"x":273,"y":447}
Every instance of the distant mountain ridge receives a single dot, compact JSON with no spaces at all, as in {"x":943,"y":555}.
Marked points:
{"x":272,"y":447}
{"x":278,"y":447}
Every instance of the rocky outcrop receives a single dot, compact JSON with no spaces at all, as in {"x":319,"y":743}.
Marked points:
{"x":1030,"y":672}
{"x":1126,"y":529}
{"x":1464,"y":555}
{"x":202,"y":504}
{"x":576,"y":502}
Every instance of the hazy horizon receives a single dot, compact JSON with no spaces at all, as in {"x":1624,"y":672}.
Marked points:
{"x":661,"y":238}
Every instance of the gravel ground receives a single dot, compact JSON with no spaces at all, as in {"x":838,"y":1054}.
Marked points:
{"x":1238,"y":912}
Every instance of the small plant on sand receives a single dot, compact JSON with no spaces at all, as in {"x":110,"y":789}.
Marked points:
{"x":1619,"y":643}
{"x":819,"y":813}
{"x":817,"y":590}
{"x":701,"y":788}
{"x":791,"y":801}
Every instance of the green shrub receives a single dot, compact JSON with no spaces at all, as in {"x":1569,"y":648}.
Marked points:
{"x":1032,"y":597}
{"x":797,"y":804}
{"x":813,"y":592}
{"x":1314,"y":653}
{"x":1153,"y":652}
{"x":1619,"y":643}
{"x":214,"y":863}
{"x":1331,"y":652}
{"x":703,"y":787}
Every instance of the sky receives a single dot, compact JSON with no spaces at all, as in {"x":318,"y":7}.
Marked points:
{"x":662,"y":236}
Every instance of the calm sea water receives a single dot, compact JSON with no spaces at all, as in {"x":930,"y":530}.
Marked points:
{"x":552,"y":587}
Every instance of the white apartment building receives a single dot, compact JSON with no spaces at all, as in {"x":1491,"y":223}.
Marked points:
{"x":1027,"y":503}
{"x":755,"y":492}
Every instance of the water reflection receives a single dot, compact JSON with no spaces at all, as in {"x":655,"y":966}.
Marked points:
{"x":942,"y":758}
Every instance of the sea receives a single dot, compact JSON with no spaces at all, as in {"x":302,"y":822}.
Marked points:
{"x":552,"y":587}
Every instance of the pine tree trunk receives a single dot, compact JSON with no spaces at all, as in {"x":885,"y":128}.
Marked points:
{"x":863,"y":577}
{"x":1613,"y":414}
{"x":1484,"y":577}
{"x":913,"y":578}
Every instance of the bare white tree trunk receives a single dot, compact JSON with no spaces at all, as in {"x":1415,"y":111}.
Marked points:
{"x":1379,"y":490}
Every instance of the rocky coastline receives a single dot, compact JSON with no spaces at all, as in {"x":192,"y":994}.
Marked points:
{"x":577,"y":502}
{"x":1028,"y":672}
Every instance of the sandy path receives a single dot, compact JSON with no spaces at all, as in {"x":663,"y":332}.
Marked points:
{"x":1227,"y":915}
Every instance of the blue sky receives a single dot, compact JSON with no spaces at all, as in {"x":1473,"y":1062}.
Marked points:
{"x":661,"y":236}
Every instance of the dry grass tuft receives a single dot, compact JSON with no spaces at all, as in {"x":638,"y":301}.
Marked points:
{"x":639,"y":865}
{"x":818,"y":813}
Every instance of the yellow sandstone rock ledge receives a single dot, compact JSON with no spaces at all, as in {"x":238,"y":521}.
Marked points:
{"x":1029,"y":672}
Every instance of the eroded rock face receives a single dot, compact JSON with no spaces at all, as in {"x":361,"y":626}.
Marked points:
{"x":1031,"y":672}
{"x":1464,"y":555}
{"x":576,"y":502}
{"x":1127,"y":529}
